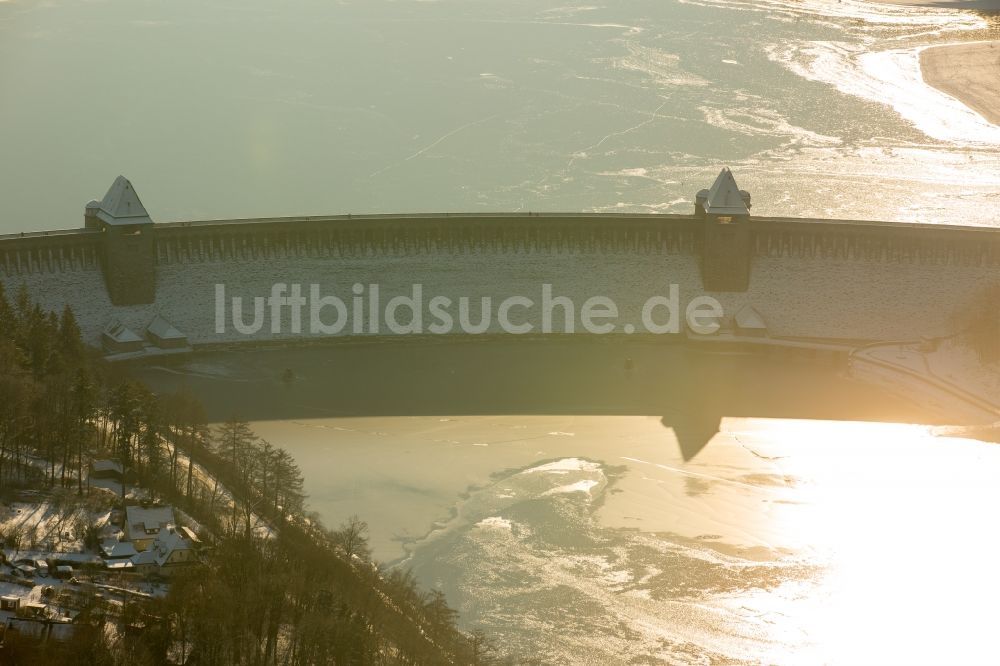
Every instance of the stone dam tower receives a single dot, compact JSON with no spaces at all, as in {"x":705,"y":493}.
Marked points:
{"x":725,"y":259}
{"x":128,"y":246}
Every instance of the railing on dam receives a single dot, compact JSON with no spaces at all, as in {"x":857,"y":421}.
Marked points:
{"x":49,"y":252}
{"x":380,"y":235}
{"x":875,"y":241}
{"x":600,"y":233}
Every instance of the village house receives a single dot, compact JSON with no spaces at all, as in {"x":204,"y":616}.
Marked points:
{"x":39,"y":629}
{"x":167,"y":553}
{"x":107,"y":469}
{"x":24,"y":568}
{"x":143,"y":524}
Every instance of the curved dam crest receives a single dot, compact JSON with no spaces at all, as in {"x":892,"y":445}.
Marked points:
{"x":830,"y":281}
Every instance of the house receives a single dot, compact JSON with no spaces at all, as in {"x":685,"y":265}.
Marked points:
{"x":143,"y":524}
{"x":167,"y":553}
{"x":117,"y":339}
{"x":34,"y":609}
{"x":64,"y":571}
{"x":10,"y":603}
{"x":39,"y":630}
{"x":107,"y":469}
{"x":172,"y":550}
{"x":24,"y":569}
{"x":164,"y":335}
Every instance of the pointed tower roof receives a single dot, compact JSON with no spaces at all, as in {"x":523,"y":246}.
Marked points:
{"x":725,"y":197}
{"x":121,"y":205}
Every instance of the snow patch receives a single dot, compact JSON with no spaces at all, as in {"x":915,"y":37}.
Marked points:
{"x":578,"y":487}
{"x":565,"y":466}
{"x":496,"y":522}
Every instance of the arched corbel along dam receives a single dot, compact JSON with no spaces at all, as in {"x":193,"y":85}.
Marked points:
{"x":810,"y":280}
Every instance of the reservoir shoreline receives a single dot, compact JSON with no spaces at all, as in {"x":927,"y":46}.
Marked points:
{"x":968,"y":72}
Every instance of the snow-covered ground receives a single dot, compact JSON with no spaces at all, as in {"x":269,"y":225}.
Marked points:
{"x":206,"y":485}
{"x":960,"y":364}
{"x":31,"y":529}
{"x":47,"y":526}
{"x":949,"y":378}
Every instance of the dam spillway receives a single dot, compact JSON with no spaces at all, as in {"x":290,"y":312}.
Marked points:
{"x":836,"y":281}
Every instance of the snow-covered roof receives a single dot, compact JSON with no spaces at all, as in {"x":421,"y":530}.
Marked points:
{"x":117,"y":549}
{"x":189,"y":534}
{"x":121,"y":205}
{"x":167,"y":542}
{"x":107,"y":465}
{"x":118,"y":332}
{"x":748,"y":318}
{"x":725,"y":196}
{"x":164,"y":330}
{"x":118,"y":564}
{"x":145,"y":557}
{"x":139,"y":521}
{"x":26,"y":627}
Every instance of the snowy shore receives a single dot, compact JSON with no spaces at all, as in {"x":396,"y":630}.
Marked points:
{"x":969,"y":72}
{"x":949,"y":378}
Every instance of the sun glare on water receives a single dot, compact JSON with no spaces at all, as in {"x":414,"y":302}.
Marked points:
{"x":904,"y":523}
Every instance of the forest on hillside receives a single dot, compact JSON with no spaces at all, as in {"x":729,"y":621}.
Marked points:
{"x":273,"y":586}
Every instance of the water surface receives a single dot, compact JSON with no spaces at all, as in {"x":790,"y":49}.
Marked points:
{"x":733,"y":508}
{"x":254,"y":109}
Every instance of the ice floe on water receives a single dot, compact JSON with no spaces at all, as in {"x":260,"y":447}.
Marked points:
{"x":524,"y":560}
{"x":495,"y":521}
{"x":877,"y":14}
{"x":663,"y":67}
{"x":565,"y":466}
{"x":583,"y":486}
{"x":764,"y":122}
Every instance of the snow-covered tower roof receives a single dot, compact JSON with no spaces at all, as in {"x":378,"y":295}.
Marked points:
{"x":121,"y":205}
{"x":725,"y":197}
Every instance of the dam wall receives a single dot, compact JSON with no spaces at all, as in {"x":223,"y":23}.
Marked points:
{"x":846,"y":282}
{"x":808,"y":280}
